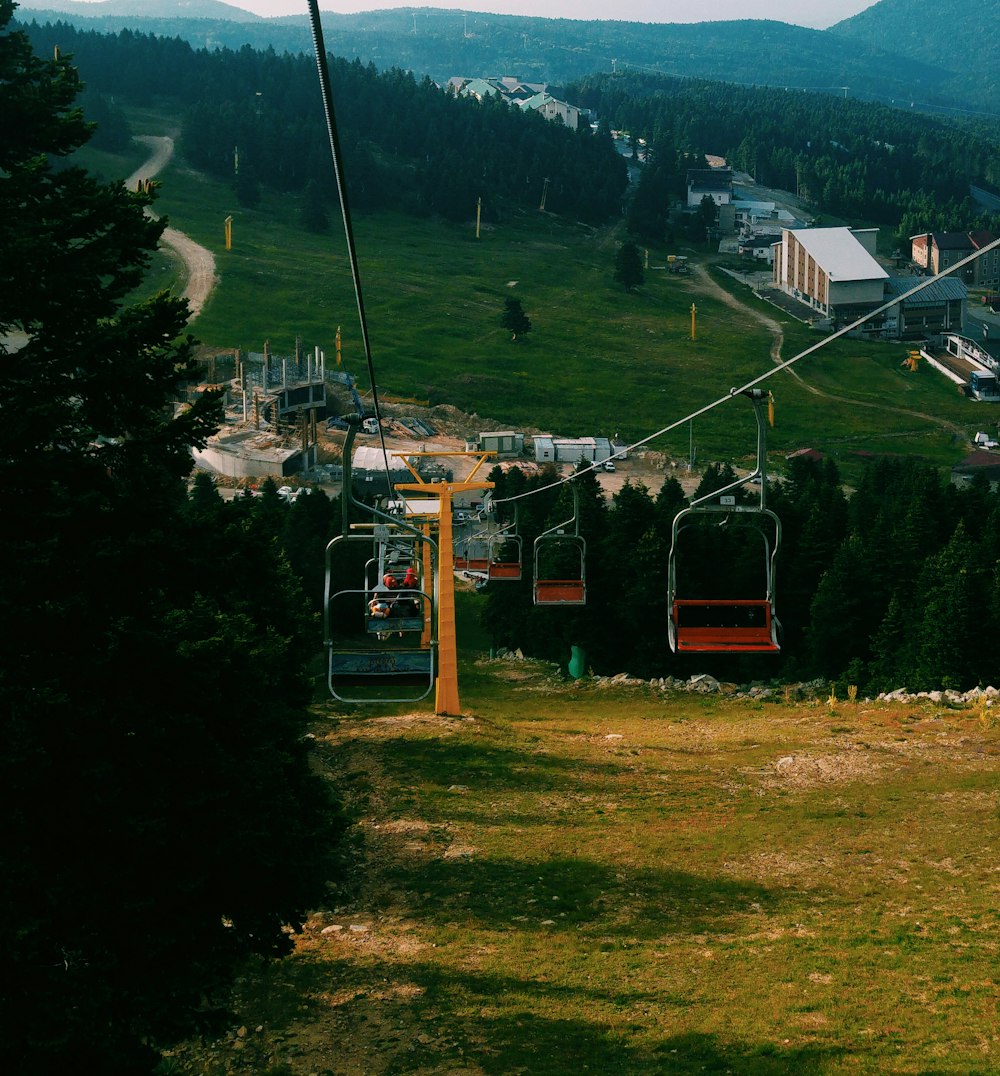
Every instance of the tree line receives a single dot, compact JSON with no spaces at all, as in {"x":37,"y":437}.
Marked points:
{"x":256,"y":119}
{"x":893,"y":584}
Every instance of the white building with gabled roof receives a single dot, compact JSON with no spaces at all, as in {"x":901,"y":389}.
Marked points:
{"x":832,"y":270}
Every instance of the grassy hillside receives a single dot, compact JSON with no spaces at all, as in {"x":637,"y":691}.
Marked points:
{"x":611,"y":880}
{"x":597,"y":361}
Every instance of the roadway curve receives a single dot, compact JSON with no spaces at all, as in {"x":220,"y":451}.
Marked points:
{"x":199,"y":262}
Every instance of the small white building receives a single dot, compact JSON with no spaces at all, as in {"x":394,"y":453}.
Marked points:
{"x":716,"y":183}
{"x":549,"y":449}
{"x":502,"y":442}
{"x":552,"y":108}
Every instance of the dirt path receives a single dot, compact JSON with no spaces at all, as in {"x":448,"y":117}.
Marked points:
{"x":774,"y":327}
{"x":198,"y":261}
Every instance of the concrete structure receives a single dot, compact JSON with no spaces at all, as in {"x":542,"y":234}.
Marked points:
{"x":976,"y":463}
{"x":549,"y":449}
{"x":244,"y":453}
{"x":750,"y":217}
{"x":965,"y":363}
{"x":274,"y":404}
{"x":940,"y":307}
{"x":531,"y":96}
{"x":831,"y":270}
{"x":552,"y":108}
{"x":759,"y":247}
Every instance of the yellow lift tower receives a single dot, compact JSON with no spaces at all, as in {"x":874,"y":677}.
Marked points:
{"x":446,"y":697}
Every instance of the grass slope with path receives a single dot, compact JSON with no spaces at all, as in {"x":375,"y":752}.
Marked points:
{"x":597,"y":361}
{"x":614,"y":880}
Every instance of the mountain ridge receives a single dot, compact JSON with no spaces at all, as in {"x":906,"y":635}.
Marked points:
{"x":860,"y":56}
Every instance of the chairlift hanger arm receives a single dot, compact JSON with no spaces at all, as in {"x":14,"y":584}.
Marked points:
{"x":574,"y":519}
{"x":758,"y":397}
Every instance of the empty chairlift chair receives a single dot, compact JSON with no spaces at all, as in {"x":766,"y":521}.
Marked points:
{"x":505,"y":552}
{"x":564,"y":547}
{"x":728,"y":624}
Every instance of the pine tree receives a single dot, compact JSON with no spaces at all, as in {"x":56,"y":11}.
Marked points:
{"x":514,"y":319}
{"x":628,"y":266}
{"x":160,"y":820}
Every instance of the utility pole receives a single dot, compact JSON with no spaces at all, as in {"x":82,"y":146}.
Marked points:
{"x":545,"y":191}
{"x":694,"y":310}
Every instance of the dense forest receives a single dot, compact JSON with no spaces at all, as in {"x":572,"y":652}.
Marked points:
{"x":894,"y":585}
{"x":408,"y":145}
{"x":901,"y":170}
{"x":413,"y":147}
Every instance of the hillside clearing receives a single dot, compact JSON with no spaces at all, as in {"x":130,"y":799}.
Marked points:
{"x":573,"y":879}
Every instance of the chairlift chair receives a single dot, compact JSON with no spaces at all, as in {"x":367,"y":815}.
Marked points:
{"x":566,"y":590}
{"x":501,"y":542}
{"x":374,"y":659}
{"x":728,"y":625}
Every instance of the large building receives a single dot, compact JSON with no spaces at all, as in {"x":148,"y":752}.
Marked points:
{"x":832,"y":270}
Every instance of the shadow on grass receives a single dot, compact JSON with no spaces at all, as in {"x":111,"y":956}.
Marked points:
{"x":481,"y":766}
{"x":578,"y":893}
{"x":501,"y":1022}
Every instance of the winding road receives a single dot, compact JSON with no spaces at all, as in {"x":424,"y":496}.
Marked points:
{"x":198,"y":260}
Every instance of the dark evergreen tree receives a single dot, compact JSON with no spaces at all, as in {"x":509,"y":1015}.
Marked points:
{"x":514,"y":319}
{"x":628,"y":266}
{"x":160,"y":820}
{"x":313,"y":214}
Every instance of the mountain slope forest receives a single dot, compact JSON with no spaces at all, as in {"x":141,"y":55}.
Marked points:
{"x":411,"y":146}
{"x":898,"y":169}
{"x":952,"y":36}
{"x":407,"y":145}
{"x":872,"y":58}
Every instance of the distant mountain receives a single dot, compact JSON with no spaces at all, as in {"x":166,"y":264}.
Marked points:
{"x":864,"y":63}
{"x":955,"y":36}
{"x":152,"y":9}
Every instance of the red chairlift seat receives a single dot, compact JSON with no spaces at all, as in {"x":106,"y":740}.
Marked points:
{"x":729,"y":625}
{"x":739,"y":626}
{"x":560,"y":592}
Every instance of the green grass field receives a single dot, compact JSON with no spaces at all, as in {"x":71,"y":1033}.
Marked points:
{"x":576,"y":878}
{"x":597,"y":361}
{"x":583,"y":879}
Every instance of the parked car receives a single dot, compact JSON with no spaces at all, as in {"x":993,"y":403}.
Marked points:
{"x":609,"y":465}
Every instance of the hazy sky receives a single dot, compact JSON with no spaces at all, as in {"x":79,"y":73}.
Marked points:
{"x":819,"y":16}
